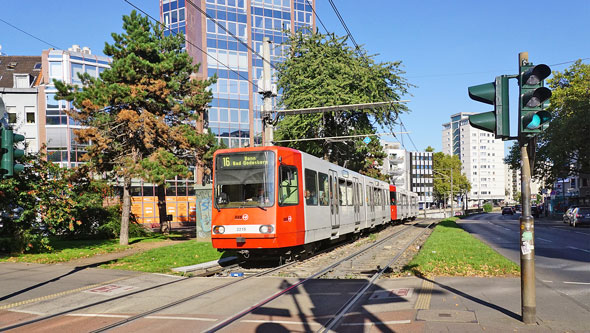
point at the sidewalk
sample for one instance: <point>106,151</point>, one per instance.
<point>471,304</point>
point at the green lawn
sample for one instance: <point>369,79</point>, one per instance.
<point>75,249</point>
<point>162,259</point>
<point>450,251</point>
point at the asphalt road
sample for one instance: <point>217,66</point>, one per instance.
<point>562,253</point>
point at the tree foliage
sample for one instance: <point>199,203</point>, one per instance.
<point>562,149</point>
<point>46,200</point>
<point>140,115</point>
<point>443,166</point>
<point>322,70</point>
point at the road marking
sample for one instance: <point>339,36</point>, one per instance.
<point>581,233</point>
<point>576,248</point>
<point>286,322</point>
<point>584,283</point>
<point>546,240</point>
<point>181,318</point>
<point>97,315</point>
<point>63,293</point>
<point>547,281</point>
<point>391,322</point>
<point>423,301</point>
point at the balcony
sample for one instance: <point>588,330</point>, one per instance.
<point>396,159</point>
<point>396,172</point>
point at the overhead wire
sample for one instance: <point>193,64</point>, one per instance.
<point>31,35</point>
<point>230,33</point>
<point>316,15</point>
<point>344,25</point>
<point>189,42</point>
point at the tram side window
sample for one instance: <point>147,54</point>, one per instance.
<point>349,195</point>
<point>324,189</point>
<point>342,187</point>
<point>311,191</point>
<point>392,197</point>
<point>289,187</point>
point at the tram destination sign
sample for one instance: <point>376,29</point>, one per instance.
<point>243,160</point>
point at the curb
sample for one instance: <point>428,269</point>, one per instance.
<point>205,265</point>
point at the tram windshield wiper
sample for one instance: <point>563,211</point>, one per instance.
<point>264,209</point>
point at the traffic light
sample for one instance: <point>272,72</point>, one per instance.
<point>531,116</point>
<point>495,93</point>
<point>7,165</point>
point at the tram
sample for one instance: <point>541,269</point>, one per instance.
<point>278,200</point>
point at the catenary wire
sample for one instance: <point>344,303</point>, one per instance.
<point>229,33</point>
<point>37,38</point>
<point>318,17</point>
<point>344,25</point>
<point>189,42</point>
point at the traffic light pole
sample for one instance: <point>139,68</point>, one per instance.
<point>527,230</point>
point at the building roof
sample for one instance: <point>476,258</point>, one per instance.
<point>10,65</point>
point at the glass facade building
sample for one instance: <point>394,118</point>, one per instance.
<point>225,37</point>
<point>56,128</point>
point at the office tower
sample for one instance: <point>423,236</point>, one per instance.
<point>225,37</point>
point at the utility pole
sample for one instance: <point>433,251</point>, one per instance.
<point>267,93</point>
<point>452,197</point>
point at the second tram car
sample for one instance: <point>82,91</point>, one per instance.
<point>274,200</point>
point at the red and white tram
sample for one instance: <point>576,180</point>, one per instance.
<point>272,200</point>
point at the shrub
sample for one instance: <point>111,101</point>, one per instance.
<point>487,207</point>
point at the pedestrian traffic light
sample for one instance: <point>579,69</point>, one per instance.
<point>495,93</point>
<point>531,116</point>
<point>7,165</point>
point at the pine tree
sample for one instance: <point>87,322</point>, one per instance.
<point>140,115</point>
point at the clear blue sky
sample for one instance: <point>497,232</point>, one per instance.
<point>445,46</point>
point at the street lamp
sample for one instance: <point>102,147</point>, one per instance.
<point>452,206</point>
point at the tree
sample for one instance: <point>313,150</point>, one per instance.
<point>443,165</point>
<point>429,149</point>
<point>562,149</point>
<point>140,115</point>
<point>323,71</point>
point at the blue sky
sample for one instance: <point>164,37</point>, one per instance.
<point>445,46</point>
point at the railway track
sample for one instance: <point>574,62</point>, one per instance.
<point>339,256</point>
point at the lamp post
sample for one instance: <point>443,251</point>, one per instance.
<point>452,206</point>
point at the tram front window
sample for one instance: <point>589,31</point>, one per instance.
<point>244,179</point>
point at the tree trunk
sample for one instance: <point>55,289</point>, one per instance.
<point>164,223</point>
<point>126,209</point>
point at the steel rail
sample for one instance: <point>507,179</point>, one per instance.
<point>323,271</point>
<point>352,301</point>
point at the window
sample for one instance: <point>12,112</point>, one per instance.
<point>11,110</point>
<point>324,189</point>
<point>30,114</point>
<point>311,193</point>
<point>288,186</point>
<point>342,188</point>
<point>349,193</point>
<point>21,81</point>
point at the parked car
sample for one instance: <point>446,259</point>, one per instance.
<point>579,216</point>
<point>535,211</point>
<point>568,215</point>
<point>507,210</point>
<point>518,208</point>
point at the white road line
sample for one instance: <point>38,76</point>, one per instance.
<point>584,283</point>
<point>546,240</point>
<point>547,281</point>
<point>286,322</point>
<point>576,248</point>
<point>97,315</point>
<point>181,318</point>
<point>391,322</point>
<point>581,233</point>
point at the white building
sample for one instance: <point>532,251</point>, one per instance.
<point>396,164</point>
<point>481,155</point>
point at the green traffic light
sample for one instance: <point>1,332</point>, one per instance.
<point>495,93</point>
<point>532,118</point>
<point>9,153</point>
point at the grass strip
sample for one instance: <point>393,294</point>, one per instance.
<point>451,251</point>
<point>66,250</point>
<point>163,259</point>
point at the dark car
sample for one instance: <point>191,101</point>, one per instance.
<point>580,215</point>
<point>507,210</point>
<point>518,207</point>
<point>535,211</point>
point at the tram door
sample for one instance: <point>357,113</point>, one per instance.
<point>334,200</point>
<point>357,200</point>
<point>370,206</point>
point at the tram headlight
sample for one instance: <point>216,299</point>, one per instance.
<point>266,229</point>
<point>218,229</point>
